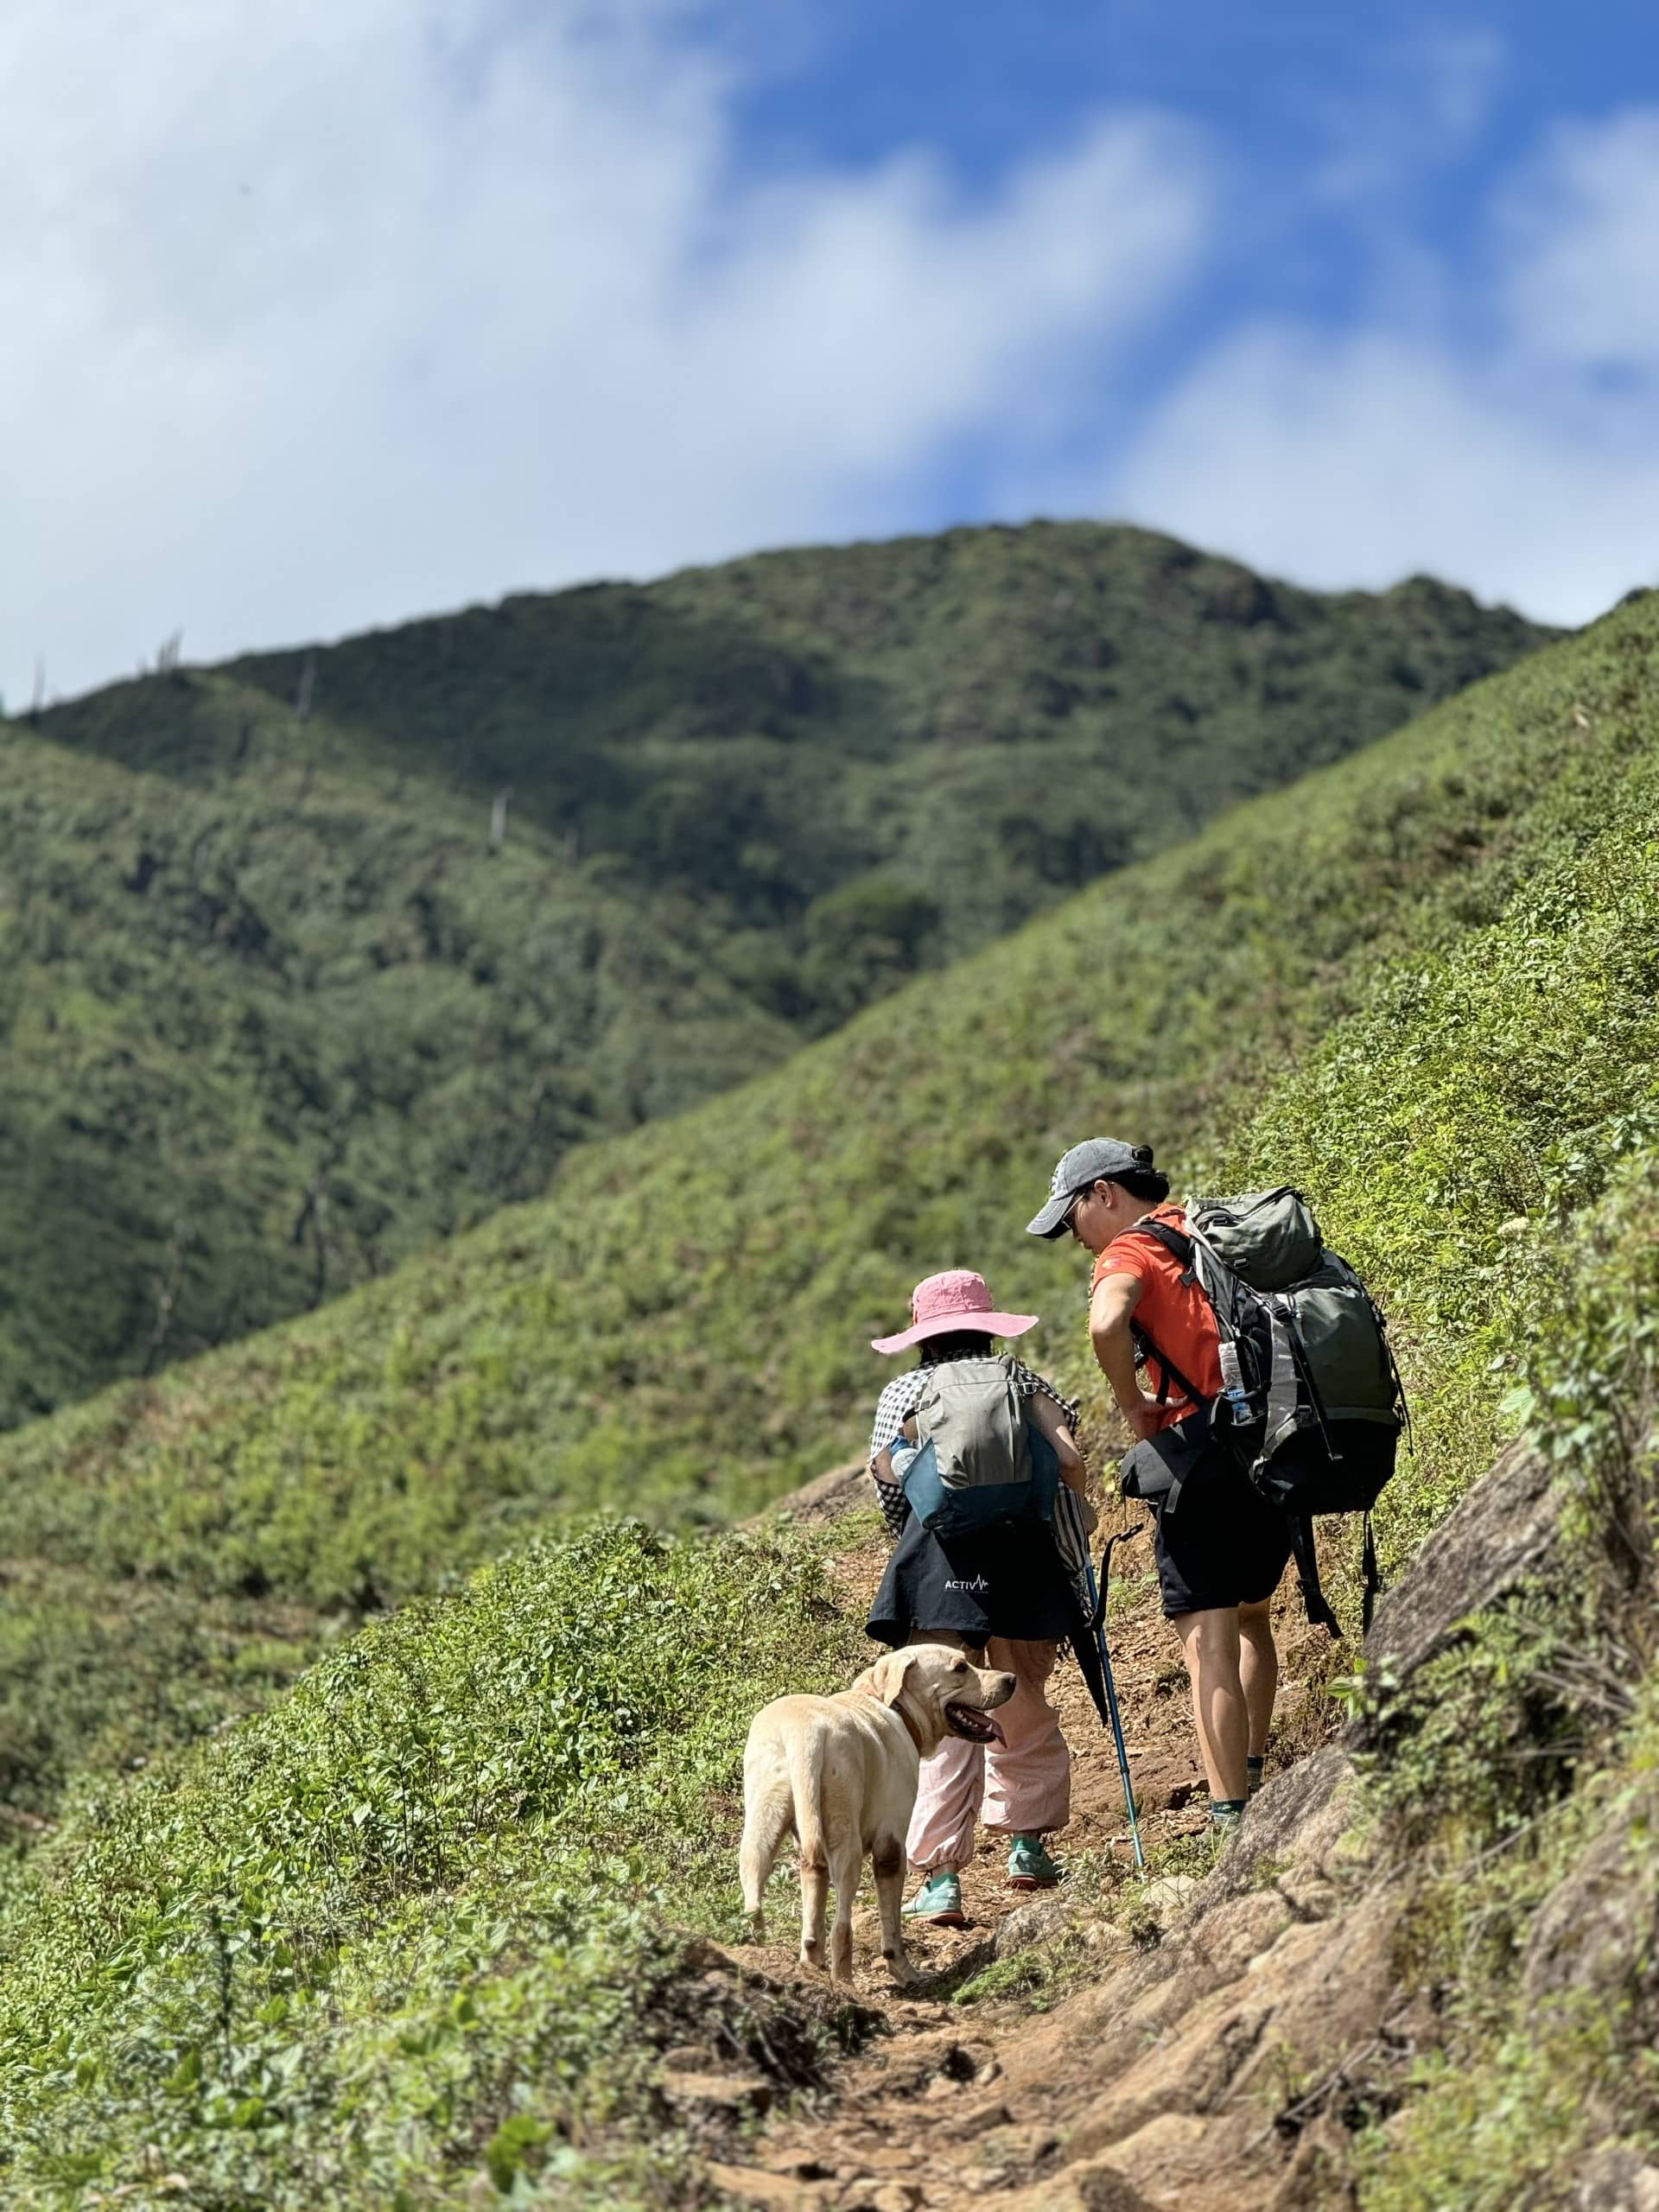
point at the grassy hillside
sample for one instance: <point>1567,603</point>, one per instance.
<point>1421,985</point>
<point>261,1043</point>
<point>390,1937</point>
<point>409,1939</point>
<point>277,1012</point>
<point>982,720</point>
<point>326,1967</point>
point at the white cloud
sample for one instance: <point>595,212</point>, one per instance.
<point>1582,244</point>
<point>1357,461</point>
<point>330,314</point>
<point>1427,103</point>
<point>1510,464</point>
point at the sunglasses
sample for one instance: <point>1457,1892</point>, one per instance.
<point>1070,1216</point>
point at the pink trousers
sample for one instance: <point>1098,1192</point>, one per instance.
<point>1023,1784</point>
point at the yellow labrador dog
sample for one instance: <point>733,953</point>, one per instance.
<point>841,1771</point>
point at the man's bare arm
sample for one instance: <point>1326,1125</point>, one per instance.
<point>1110,1310</point>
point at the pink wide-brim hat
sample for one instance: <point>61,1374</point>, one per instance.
<point>943,1304</point>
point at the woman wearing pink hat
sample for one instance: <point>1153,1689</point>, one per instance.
<point>1004,1597</point>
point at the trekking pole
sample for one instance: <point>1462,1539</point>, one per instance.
<point>1097,1610</point>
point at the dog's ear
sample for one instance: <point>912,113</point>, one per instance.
<point>888,1675</point>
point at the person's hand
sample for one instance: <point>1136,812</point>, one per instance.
<point>1145,1417</point>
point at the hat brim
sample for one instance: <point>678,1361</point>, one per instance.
<point>1052,1220</point>
<point>955,1324</point>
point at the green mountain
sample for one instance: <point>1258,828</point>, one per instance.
<point>402,1939</point>
<point>408,1936</point>
<point>280,1005</point>
<point>681,1327</point>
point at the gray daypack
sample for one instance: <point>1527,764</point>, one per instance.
<point>976,1464</point>
<point>1309,1385</point>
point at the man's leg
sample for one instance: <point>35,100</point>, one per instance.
<point>1028,1775</point>
<point>1210,1643</point>
<point>1258,1670</point>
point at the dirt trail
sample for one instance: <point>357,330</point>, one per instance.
<point>958,2103</point>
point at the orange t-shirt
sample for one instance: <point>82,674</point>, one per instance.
<point>1175,1315</point>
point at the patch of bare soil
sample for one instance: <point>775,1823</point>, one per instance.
<point>952,2103</point>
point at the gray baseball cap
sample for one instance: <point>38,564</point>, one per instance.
<point>1085,1163</point>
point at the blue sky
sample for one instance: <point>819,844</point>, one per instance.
<point>1347,141</point>
<point>335,315</point>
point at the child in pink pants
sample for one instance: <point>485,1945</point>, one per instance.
<point>1021,1786</point>
<point>1004,1592</point>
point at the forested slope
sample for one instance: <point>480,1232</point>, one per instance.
<point>1420,984</point>
<point>402,1940</point>
<point>261,1043</point>
<point>278,1007</point>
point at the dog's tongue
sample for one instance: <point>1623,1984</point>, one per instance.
<point>995,1726</point>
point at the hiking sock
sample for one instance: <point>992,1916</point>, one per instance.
<point>1227,1812</point>
<point>1254,1765</point>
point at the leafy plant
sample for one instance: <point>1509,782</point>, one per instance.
<point>414,1925</point>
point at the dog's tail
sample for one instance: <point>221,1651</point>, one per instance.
<point>806,1753</point>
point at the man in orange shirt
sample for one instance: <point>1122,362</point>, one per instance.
<point>1219,1558</point>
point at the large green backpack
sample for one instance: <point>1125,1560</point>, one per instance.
<point>976,1464</point>
<point>1310,1387</point>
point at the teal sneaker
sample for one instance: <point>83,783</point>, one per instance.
<point>1030,1866</point>
<point>938,1900</point>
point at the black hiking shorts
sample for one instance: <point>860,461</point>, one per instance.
<point>1224,1545</point>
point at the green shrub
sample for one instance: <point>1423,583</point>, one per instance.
<point>415,1923</point>
<point>1502,1761</point>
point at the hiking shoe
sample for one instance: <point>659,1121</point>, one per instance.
<point>938,1900</point>
<point>1030,1866</point>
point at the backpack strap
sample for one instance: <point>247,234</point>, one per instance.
<point>1204,1268</point>
<point>1180,1247</point>
<point>1284,1371</point>
<point>1173,1241</point>
<point>1307,1573</point>
<point>1118,1536</point>
<point>1168,1371</point>
<point>1284,1317</point>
